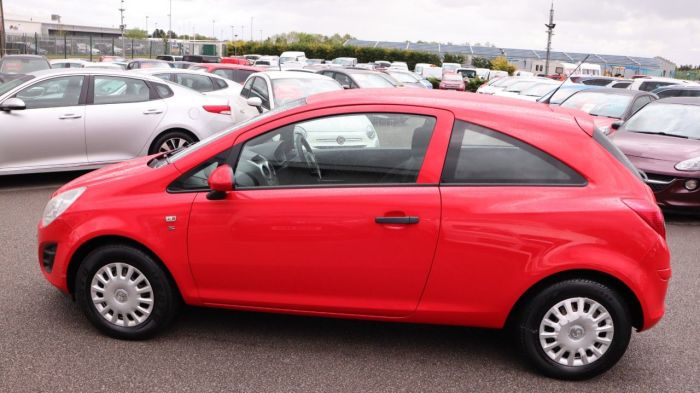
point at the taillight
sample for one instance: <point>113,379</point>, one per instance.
<point>220,109</point>
<point>649,212</point>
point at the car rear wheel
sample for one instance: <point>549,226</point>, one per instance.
<point>575,329</point>
<point>125,293</point>
<point>171,141</point>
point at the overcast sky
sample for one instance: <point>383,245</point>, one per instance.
<point>668,28</point>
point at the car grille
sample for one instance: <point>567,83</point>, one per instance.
<point>659,183</point>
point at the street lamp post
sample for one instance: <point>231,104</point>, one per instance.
<point>213,28</point>
<point>147,35</point>
<point>2,31</point>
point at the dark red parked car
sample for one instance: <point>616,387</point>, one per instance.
<point>663,140</point>
<point>471,210</point>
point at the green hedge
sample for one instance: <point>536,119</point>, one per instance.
<point>330,52</point>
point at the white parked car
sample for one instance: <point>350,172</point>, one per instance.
<point>344,62</point>
<point>650,84</point>
<point>271,62</point>
<point>350,131</point>
<point>74,119</point>
<point>530,91</point>
<point>79,63</point>
<point>448,68</point>
<point>399,65</point>
<point>292,59</point>
<point>203,82</point>
<point>267,90</point>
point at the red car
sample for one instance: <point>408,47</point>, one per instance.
<point>235,72</point>
<point>235,60</point>
<point>470,210</point>
<point>452,82</point>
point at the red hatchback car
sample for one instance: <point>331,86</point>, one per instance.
<point>467,211</point>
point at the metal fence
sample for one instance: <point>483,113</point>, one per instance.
<point>91,48</point>
<point>692,75</point>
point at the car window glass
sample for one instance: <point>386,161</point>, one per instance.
<point>259,89</point>
<point>478,155</point>
<point>53,93</point>
<point>670,93</point>
<point>164,76</point>
<point>245,91</point>
<point>118,90</point>
<point>219,83</point>
<point>639,103</point>
<point>351,149</point>
<point>343,79</point>
<point>228,74</point>
<point>200,83</point>
<point>239,76</point>
<point>198,178</point>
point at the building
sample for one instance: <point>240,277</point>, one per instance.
<point>31,27</point>
<point>533,60</point>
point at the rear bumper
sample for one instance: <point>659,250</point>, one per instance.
<point>654,285</point>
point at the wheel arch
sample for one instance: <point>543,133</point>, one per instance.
<point>109,240</point>
<point>628,296</point>
<point>172,129</point>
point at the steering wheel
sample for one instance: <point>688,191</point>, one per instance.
<point>303,151</point>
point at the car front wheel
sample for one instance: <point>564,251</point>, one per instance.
<point>125,293</point>
<point>575,329</point>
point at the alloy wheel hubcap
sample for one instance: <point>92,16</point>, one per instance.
<point>576,332</point>
<point>122,295</point>
<point>172,144</point>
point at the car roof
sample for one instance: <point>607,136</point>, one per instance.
<point>92,71</point>
<point>353,70</point>
<point>678,87</point>
<point>680,100</point>
<point>619,92</point>
<point>292,74</point>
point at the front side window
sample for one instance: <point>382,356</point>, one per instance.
<point>118,90</point>
<point>259,89</point>
<point>649,86</point>
<point>352,149</point>
<point>639,103</point>
<point>480,156</point>
<point>53,93</point>
<point>245,91</point>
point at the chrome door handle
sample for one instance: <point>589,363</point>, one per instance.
<point>69,116</point>
<point>152,112</point>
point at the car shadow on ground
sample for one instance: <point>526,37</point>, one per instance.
<point>38,180</point>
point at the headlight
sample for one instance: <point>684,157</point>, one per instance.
<point>58,204</point>
<point>691,165</point>
<point>370,132</point>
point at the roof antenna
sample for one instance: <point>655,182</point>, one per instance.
<point>547,101</point>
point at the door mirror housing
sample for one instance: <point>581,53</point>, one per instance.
<point>616,125</point>
<point>13,104</point>
<point>346,87</point>
<point>220,182</point>
<point>255,102</point>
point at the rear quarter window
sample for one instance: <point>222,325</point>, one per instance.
<point>480,156</point>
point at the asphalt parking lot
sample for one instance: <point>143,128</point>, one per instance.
<point>47,345</point>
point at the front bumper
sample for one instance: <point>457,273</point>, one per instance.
<point>671,192</point>
<point>57,238</point>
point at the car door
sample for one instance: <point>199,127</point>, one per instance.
<point>50,132</point>
<point>360,242</point>
<point>121,116</point>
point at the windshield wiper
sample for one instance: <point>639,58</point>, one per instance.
<point>662,133</point>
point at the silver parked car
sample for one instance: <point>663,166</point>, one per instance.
<point>72,119</point>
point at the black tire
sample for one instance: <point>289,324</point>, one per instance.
<point>155,147</point>
<point>534,311</point>
<point>166,299</point>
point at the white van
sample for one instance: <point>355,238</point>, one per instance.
<point>290,60</point>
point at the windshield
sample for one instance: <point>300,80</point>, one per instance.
<point>503,82</point>
<point>371,80</point>
<point>672,119</point>
<point>452,77</point>
<point>519,86</point>
<point>468,73</point>
<point>22,65</point>
<point>599,104</point>
<point>11,84</point>
<point>213,138</point>
<point>539,89</point>
<point>290,89</point>
<point>404,77</point>
<point>449,67</point>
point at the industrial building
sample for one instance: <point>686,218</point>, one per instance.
<point>55,28</point>
<point>533,60</point>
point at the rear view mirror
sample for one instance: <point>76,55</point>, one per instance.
<point>255,102</point>
<point>220,182</point>
<point>13,104</point>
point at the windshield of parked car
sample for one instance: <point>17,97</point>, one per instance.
<point>18,65</point>
<point>11,84</point>
<point>371,80</point>
<point>670,119</point>
<point>290,89</point>
<point>468,73</point>
<point>449,67</point>
<point>213,138</point>
<point>504,82</point>
<point>452,77</point>
<point>404,77</point>
<point>539,89</point>
<point>520,86</point>
<point>599,104</point>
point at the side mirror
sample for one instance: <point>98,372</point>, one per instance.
<point>220,182</point>
<point>346,87</point>
<point>616,125</point>
<point>13,104</point>
<point>255,102</point>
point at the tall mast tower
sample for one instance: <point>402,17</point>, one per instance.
<point>550,33</point>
